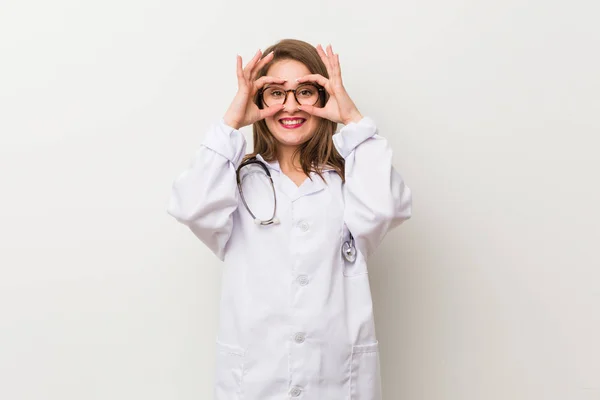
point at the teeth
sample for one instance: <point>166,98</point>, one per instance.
<point>291,122</point>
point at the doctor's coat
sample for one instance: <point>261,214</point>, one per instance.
<point>296,318</point>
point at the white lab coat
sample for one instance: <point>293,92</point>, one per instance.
<point>296,319</point>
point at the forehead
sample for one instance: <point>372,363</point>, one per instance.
<point>288,69</point>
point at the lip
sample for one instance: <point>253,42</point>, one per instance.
<point>294,126</point>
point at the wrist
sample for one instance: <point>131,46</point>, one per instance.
<point>354,117</point>
<point>231,123</point>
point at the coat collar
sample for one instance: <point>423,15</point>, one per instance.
<point>271,164</point>
<point>275,164</point>
<point>289,188</point>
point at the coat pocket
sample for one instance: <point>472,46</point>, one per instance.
<point>229,372</point>
<point>365,382</point>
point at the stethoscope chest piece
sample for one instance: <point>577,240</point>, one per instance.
<point>349,250</point>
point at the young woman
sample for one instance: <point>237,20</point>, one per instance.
<point>295,223</point>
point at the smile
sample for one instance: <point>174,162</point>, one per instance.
<point>292,123</point>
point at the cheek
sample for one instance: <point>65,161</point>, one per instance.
<point>270,123</point>
<point>314,123</point>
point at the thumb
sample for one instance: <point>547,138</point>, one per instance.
<point>316,111</point>
<point>270,111</point>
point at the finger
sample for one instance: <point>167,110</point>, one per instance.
<point>335,60</point>
<point>250,65</point>
<point>239,72</point>
<point>266,59</point>
<point>263,80</point>
<point>270,111</point>
<point>324,58</point>
<point>312,110</point>
<point>318,78</point>
<point>321,52</point>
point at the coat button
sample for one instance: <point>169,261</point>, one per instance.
<point>295,391</point>
<point>302,280</point>
<point>304,226</point>
<point>299,337</point>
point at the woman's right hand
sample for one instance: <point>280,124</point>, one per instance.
<point>242,110</point>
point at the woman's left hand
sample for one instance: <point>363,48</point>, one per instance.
<point>339,107</point>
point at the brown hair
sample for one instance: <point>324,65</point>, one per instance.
<point>318,152</point>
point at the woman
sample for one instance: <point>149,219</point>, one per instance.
<point>296,317</point>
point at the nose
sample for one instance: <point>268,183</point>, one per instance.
<point>287,96</point>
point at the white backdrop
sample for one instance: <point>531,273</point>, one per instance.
<point>491,291</point>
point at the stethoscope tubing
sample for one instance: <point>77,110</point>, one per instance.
<point>348,247</point>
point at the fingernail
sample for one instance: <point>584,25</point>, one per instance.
<point>299,108</point>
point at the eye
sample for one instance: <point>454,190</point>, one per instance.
<point>306,91</point>
<point>276,93</point>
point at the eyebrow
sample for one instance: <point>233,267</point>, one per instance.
<point>279,85</point>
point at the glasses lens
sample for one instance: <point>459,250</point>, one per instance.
<point>307,95</point>
<point>274,95</point>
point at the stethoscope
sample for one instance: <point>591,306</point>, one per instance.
<point>348,247</point>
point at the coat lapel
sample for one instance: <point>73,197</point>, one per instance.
<point>289,188</point>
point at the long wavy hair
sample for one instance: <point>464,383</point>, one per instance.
<point>319,151</point>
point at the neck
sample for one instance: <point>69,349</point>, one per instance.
<point>287,160</point>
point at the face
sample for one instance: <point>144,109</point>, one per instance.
<point>291,127</point>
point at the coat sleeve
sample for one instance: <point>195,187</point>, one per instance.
<point>375,195</point>
<point>205,195</point>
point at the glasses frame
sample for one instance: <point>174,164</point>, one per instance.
<point>320,89</point>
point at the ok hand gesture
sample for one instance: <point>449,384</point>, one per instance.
<point>339,107</point>
<point>242,110</point>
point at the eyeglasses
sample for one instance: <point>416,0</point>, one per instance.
<point>306,94</point>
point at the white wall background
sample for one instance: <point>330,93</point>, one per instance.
<point>491,291</point>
